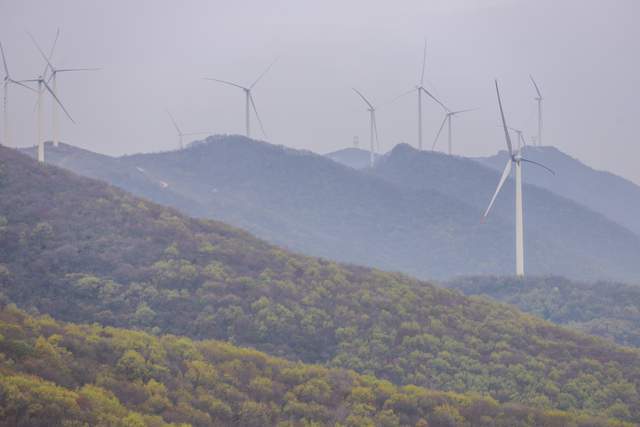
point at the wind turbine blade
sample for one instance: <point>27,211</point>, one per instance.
<point>255,110</point>
<point>435,99</point>
<point>363,98</point>
<point>53,48</point>
<point>424,62</point>
<point>226,82</point>
<point>19,83</point>
<point>175,124</point>
<point>463,111</point>
<point>64,70</point>
<point>263,73</point>
<point>539,164</point>
<point>503,178</point>
<point>41,52</point>
<point>58,101</point>
<point>433,147</point>
<point>4,61</point>
<point>536,86</point>
<point>395,98</point>
<point>504,123</point>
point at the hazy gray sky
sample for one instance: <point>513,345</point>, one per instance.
<point>153,54</point>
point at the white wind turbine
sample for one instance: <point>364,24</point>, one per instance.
<point>42,85</point>
<point>249,102</point>
<point>539,100</point>
<point>5,108</point>
<point>515,157</point>
<point>521,140</point>
<point>447,120</point>
<point>420,89</point>
<point>373,128</point>
<point>53,79</point>
<point>182,134</point>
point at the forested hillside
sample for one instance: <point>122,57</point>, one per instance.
<point>86,252</point>
<point>55,374</point>
<point>606,309</point>
<point>417,212</point>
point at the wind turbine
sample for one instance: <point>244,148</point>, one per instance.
<point>539,100</point>
<point>42,85</point>
<point>447,120</point>
<point>6,82</point>
<point>515,157</point>
<point>182,134</point>
<point>420,89</point>
<point>521,140</point>
<point>249,102</point>
<point>53,79</point>
<point>373,127</point>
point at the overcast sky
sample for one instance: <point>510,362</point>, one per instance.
<point>154,55</point>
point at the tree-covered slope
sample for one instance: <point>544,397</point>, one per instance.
<point>611,195</point>
<point>606,309</point>
<point>83,251</point>
<point>56,374</point>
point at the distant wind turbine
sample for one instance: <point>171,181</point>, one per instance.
<point>373,127</point>
<point>53,79</point>
<point>447,120</point>
<point>515,157</point>
<point>521,140</point>
<point>420,89</point>
<point>5,103</point>
<point>249,101</point>
<point>42,85</point>
<point>182,134</point>
<point>539,100</point>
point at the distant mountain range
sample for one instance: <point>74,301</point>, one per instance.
<point>613,196</point>
<point>415,212</point>
<point>603,192</point>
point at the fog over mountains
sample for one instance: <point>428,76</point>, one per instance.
<point>415,212</point>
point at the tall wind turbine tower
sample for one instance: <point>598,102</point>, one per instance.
<point>5,102</point>
<point>515,158</point>
<point>373,128</point>
<point>54,82</point>
<point>539,100</point>
<point>249,101</point>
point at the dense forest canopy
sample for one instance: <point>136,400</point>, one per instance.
<point>607,309</point>
<point>83,251</point>
<point>56,374</point>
